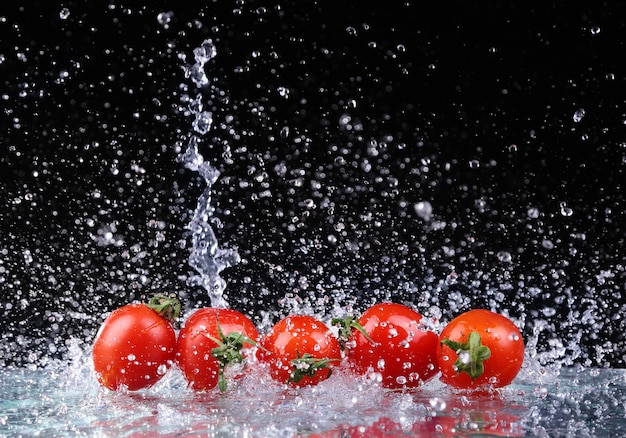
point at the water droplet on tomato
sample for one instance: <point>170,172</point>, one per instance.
<point>465,357</point>
<point>414,377</point>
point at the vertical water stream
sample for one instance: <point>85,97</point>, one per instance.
<point>207,258</point>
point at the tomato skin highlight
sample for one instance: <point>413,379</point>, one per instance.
<point>194,347</point>
<point>498,333</point>
<point>134,348</point>
<point>403,351</point>
<point>294,337</point>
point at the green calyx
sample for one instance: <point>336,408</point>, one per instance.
<point>168,306</point>
<point>471,355</point>
<point>346,325</point>
<point>228,351</point>
<point>306,366</point>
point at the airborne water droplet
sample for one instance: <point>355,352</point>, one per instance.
<point>578,115</point>
<point>424,210</point>
<point>205,52</point>
<point>504,256</point>
<point>565,210</point>
<point>202,123</point>
<point>164,18</point>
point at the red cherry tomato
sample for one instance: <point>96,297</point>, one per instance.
<point>210,340</point>
<point>480,348</point>
<point>134,347</point>
<point>300,351</point>
<point>400,349</point>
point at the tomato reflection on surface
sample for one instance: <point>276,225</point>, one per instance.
<point>456,414</point>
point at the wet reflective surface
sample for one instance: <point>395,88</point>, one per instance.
<point>68,402</point>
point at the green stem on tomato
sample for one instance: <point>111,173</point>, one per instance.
<point>306,366</point>
<point>168,306</point>
<point>228,351</point>
<point>345,330</point>
<point>471,355</point>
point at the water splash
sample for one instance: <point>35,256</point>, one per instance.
<point>207,258</point>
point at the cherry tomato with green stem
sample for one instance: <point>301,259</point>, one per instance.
<point>390,342</point>
<point>300,350</point>
<point>135,345</point>
<point>212,341</point>
<point>478,349</point>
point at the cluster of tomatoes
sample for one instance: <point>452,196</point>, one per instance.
<point>389,343</point>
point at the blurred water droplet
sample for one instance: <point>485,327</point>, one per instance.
<point>465,357</point>
<point>424,210</point>
<point>541,392</point>
<point>578,115</point>
<point>438,404</point>
<point>283,92</point>
<point>345,120</point>
<point>565,210</point>
<point>533,213</point>
<point>164,18</point>
<point>504,256</point>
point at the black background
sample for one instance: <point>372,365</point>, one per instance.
<point>470,107</point>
